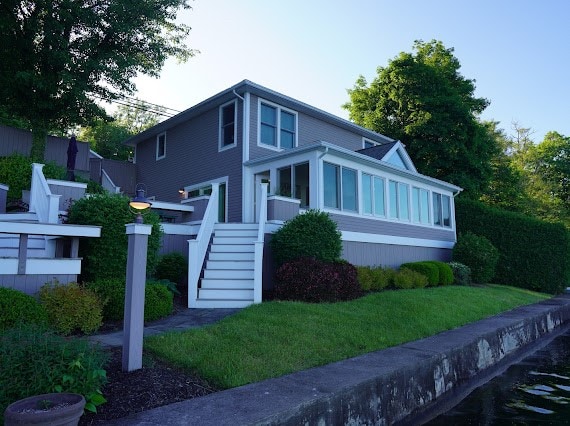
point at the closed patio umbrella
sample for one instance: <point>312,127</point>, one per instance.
<point>71,157</point>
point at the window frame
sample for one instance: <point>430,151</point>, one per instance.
<point>163,135</point>
<point>398,201</point>
<point>278,128</point>
<point>418,209</point>
<point>221,126</point>
<point>369,141</point>
<point>440,210</point>
<point>373,199</point>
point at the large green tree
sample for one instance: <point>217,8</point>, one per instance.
<point>422,99</point>
<point>60,57</point>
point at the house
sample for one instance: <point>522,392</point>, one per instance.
<point>249,158</point>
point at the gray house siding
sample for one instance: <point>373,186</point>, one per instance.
<point>192,157</point>
<point>390,255</point>
<point>31,284</point>
<point>122,173</point>
<point>310,129</point>
<point>382,227</point>
<point>174,244</point>
<point>20,141</point>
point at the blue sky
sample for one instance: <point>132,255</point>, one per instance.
<point>314,50</point>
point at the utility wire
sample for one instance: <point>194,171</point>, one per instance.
<point>142,105</point>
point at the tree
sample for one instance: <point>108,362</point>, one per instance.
<point>423,100</point>
<point>59,57</point>
<point>107,137</point>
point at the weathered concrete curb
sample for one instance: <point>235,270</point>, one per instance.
<point>400,384</point>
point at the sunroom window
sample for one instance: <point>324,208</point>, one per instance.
<point>420,205</point>
<point>399,202</point>
<point>373,195</point>
<point>340,185</point>
<point>441,210</point>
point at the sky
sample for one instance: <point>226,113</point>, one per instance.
<point>517,51</point>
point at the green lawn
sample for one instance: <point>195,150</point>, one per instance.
<point>275,338</point>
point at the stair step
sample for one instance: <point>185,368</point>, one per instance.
<point>248,233</point>
<point>221,294</point>
<point>213,283</point>
<point>229,264</point>
<point>233,240</point>
<point>236,226</point>
<point>232,248</point>
<point>226,303</point>
<point>231,256</point>
<point>229,274</point>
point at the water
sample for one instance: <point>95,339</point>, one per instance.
<point>536,391</point>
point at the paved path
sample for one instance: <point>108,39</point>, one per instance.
<point>186,319</point>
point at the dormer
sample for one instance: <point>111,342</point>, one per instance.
<point>394,153</point>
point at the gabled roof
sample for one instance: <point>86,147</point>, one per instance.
<point>386,152</point>
<point>247,86</point>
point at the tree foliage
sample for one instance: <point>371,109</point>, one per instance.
<point>422,99</point>
<point>60,57</point>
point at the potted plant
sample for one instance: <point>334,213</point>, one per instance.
<point>61,409</point>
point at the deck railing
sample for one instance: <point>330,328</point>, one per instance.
<point>42,201</point>
<point>197,248</point>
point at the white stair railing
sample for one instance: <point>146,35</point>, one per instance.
<point>197,248</point>
<point>108,184</point>
<point>42,201</point>
<point>258,263</point>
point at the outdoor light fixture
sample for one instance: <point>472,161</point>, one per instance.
<point>182,193</point>
<point>139,203</point>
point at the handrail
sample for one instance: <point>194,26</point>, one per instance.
<point>108,184</point>
<point>197,248</point>
<point>42,201</point>
<point>258,253</point>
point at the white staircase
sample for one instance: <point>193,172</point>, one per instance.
<point>228,279</point>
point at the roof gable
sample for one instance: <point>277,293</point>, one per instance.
<point>394,153</point>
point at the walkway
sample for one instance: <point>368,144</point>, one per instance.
<point>184,320</point>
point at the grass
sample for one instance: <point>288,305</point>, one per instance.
<point>276,338</point>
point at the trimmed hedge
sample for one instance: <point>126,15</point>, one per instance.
<point>428,269</point>
<point>533,254</point>
<point>406,278</point>
<point>20,308</point>
<point>479,254</point>
<point>445,272</point>
<point>375,279</point>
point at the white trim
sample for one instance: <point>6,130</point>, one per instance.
<point>94,154</point>
<point>365,139</point>
<point>246,198</point>
<point>283,198</point>
<point>361,237</point>
<point>180,228</point>
<point>4,187</point>
<point>278,108</point>
<point>138,229</point>
<point>157,145</point>
<point>55,229</point>
<point>191,200</point>
<point>400,149</point>
<point>163,205</point>
<point>189,188</point>
<point>221,146</point>
<point>66,183</point>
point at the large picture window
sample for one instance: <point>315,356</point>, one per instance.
<point>277,126</point>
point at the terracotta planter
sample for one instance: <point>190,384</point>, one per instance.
<point>54,409</point>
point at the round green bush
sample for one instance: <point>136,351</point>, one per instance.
<point>428,269</point>
<point>479,254</point>
<point>19,308</point>
<point>71,308</point>
<point>445,272</point>
<point>172,267</point>
<point>365,277</point>
<point>158,301</point>
<point>406,279</point>
<point>310,234</point>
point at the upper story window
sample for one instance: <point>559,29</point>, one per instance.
<point>277,126</point>
<point>227,137</point>
<point>441,210</point>
<point>161,146</point>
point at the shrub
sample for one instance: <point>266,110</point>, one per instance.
<point>479,254</point>
<point>16,172</point>
<point>534,254</point>
<point>311,234</point>
<point>172,267</point>
<point>445,272</point>
<point>17,307</point>
<point>34,362</point>
<point>406,278</point>
<point>158,301</point>
<point>430,270</point>
<point>106,257</point>
<point>461,273</point>
<point>311,280</point>
<point>376,278</point>
<point>365,277</point>
<point>71,307</point>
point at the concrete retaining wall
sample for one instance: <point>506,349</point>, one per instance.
<point>404,384</point>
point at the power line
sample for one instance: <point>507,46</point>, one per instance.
<point>141,105</point>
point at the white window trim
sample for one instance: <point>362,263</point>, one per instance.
<point>221,146</point>
<point>364,140</point>
<point>373,195</point>
<point>278,125</point>
<point>157,145</point>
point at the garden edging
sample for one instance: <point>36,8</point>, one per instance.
<point>408,383</point>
